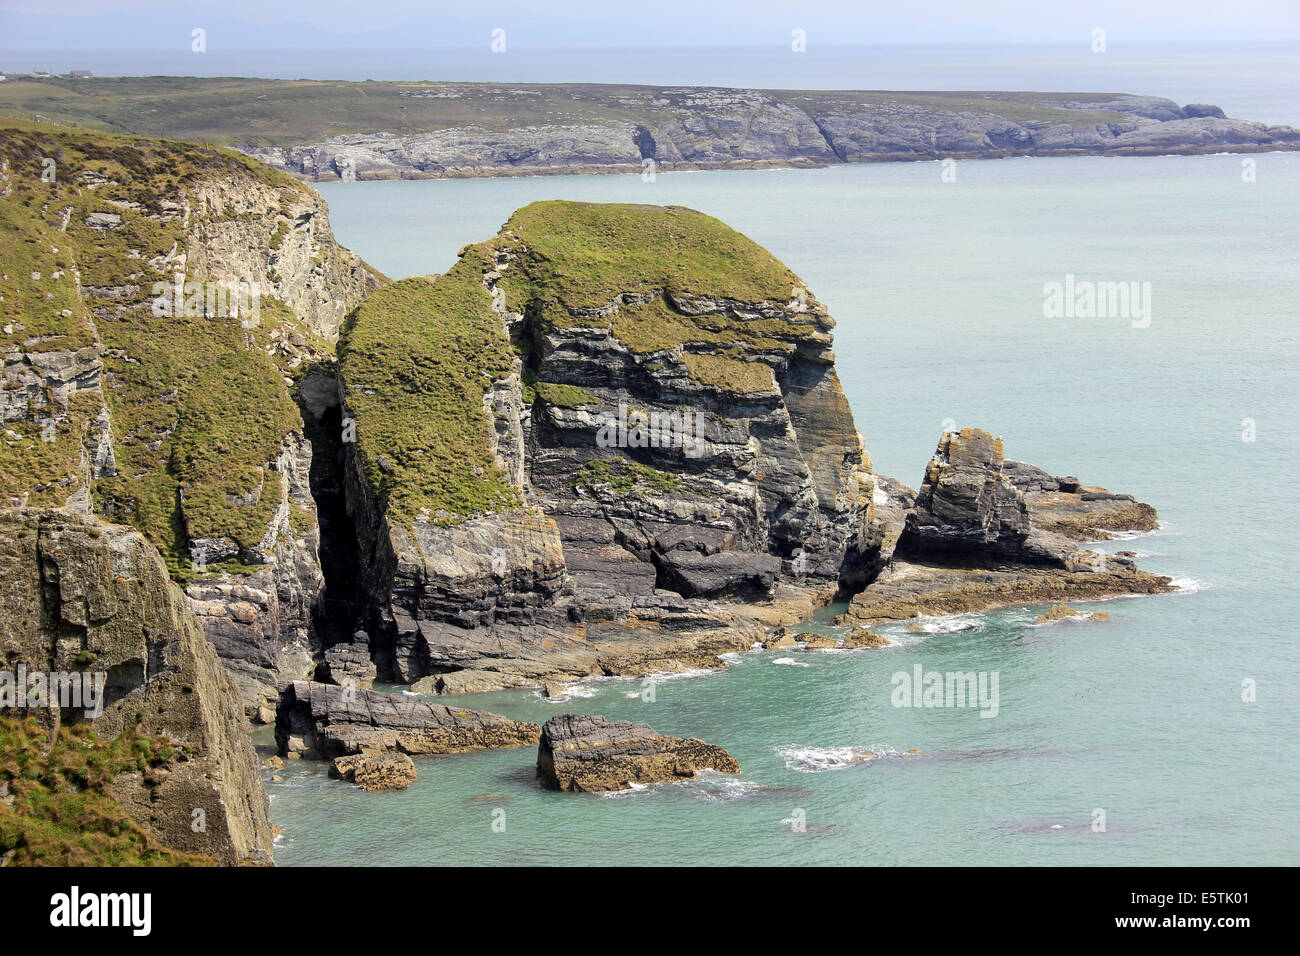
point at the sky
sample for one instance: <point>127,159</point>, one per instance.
<point>289,24</point>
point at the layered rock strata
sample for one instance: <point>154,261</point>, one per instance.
<point>323,721</point>
<point>662,463</point>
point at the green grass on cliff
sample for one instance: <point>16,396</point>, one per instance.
<point>198,406</point>
<point>416,358</point>
<point>56,803</point>
<point>581,255</point>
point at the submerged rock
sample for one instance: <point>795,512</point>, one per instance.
<point>865,637</point>
<point>378,773</point>
<point>322,721</point>
<point>585,752</point>
<point>1062,612</point>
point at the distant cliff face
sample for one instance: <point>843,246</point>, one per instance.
<point>88,598</point>
<point>609,438</point>
<point>160,301</point>
<point>617,128</point>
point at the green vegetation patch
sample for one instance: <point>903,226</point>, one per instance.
<point>623,476</point>
<point>729,374</point>
<point>59,808</point>
<point>654,327</point>
<point>416,358</point>
<point>581,255</point>
<point>566,396</point>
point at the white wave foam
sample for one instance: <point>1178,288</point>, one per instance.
<point>662,677</point>
<point>631,791</point>
<point>1188,585</point>
<point>950,624</point>
<point>717,788</point>
<point>821,759</point>
<point>790,662</point>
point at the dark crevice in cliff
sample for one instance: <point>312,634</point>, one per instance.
<point>334,616</point>
<point>838,150</point>
<point>645,142</point>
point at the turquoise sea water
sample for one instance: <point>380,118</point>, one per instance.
<point>937,289</point>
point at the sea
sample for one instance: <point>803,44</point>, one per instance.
<point>1164,735</point>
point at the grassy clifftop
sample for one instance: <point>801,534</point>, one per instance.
<point>417,358</point>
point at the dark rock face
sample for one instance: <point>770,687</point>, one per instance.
<point>83,596</point>
<point>967,507</point>
<point>1082,513</point>
<point>322,721</point>
<point>587,753</point>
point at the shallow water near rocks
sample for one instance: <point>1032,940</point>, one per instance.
<point>937,289</point>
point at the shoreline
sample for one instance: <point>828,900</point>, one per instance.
<point>632,169</point>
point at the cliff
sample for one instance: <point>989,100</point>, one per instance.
<point>84,597</point>
<point>609,440</point>
<point>327,130</point>
<point>161,301</point>
<point>703,128</point>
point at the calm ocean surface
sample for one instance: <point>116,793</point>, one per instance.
<point>937,289</point>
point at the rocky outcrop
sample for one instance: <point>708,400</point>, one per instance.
<point>984,534</point>
<point>694,128</point>
<point>378,773</point>
<point>250,230</point>
<point>906,589</point>
<point>587,753</point>
<point>1063,612</point>
<point>85,597</point>
<point>672,463</point>
<point>323,721</point>
<point>969,509</point>
<point>1082,512</point>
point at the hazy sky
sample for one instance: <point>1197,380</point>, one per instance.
<point>166,24</point>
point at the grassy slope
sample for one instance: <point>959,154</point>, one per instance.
<point>235,111</point>
<point>417,357</point>
<point>194,409</point>
<point>58,809</point>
